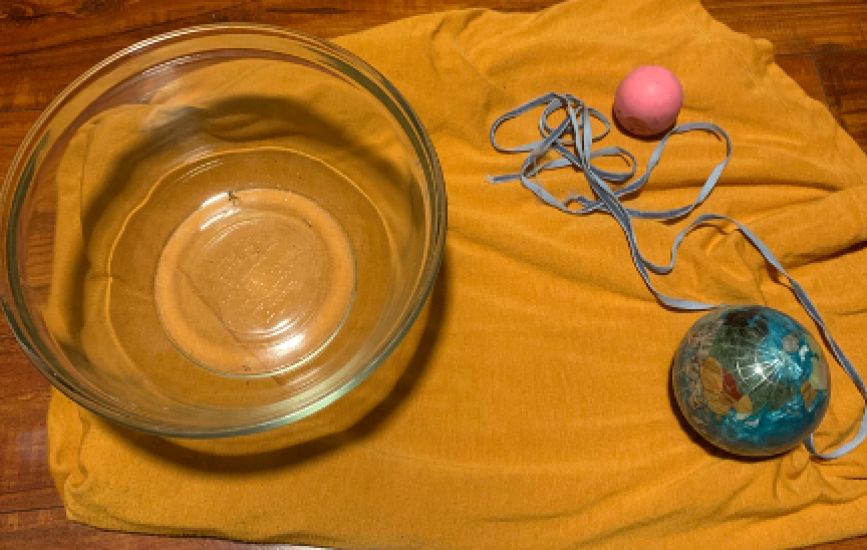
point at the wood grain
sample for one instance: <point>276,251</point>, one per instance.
<point>802,69</point>
<point>844,76</point>
<point>41,37</point>
<point>60,22</point>
<point>797,26</point>
<point>13,127</point>
<point>41,529</point>
<point>46,44</point>
<point>40,41</point>
<point>25,482</point>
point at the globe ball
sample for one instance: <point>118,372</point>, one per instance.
<point>751,380</point>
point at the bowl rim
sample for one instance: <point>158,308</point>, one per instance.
<point>28,152</point>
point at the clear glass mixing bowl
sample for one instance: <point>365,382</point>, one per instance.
<point>220,230</point>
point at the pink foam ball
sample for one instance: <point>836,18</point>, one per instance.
<point>648,100</point>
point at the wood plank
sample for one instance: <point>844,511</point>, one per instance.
<point>845,79</point>
<point>42,24</point>
<point>848,544</point>
<point>34,77</point>
<point>25,481</point>
<point>797,26</point>
<point>45,48</point>
<point>40,529</point>
<point>48,44</point>
<point>13,128</point>
<point>802,69</point>
<point>19,381</point>
<point>39,24</point>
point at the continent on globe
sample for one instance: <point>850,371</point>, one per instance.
<point>721,389</point>
<point>751,380</point>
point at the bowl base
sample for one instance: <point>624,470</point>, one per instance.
<point>255,282</point>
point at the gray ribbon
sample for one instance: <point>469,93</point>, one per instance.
<point>578,153</point>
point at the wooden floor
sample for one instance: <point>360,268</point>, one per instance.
<point>45,44</point>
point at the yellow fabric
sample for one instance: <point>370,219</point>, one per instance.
<point>530,407</point>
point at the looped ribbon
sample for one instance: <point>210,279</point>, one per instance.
<point>572,139</point>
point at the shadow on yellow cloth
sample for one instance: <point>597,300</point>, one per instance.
<point>531,406</point>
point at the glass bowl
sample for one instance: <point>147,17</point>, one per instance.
<point>220,230</point>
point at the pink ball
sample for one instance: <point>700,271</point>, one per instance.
<point>648,100</point>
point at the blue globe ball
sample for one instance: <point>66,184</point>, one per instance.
<point>751,380</point>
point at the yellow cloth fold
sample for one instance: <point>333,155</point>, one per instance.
<point>530,408</point>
